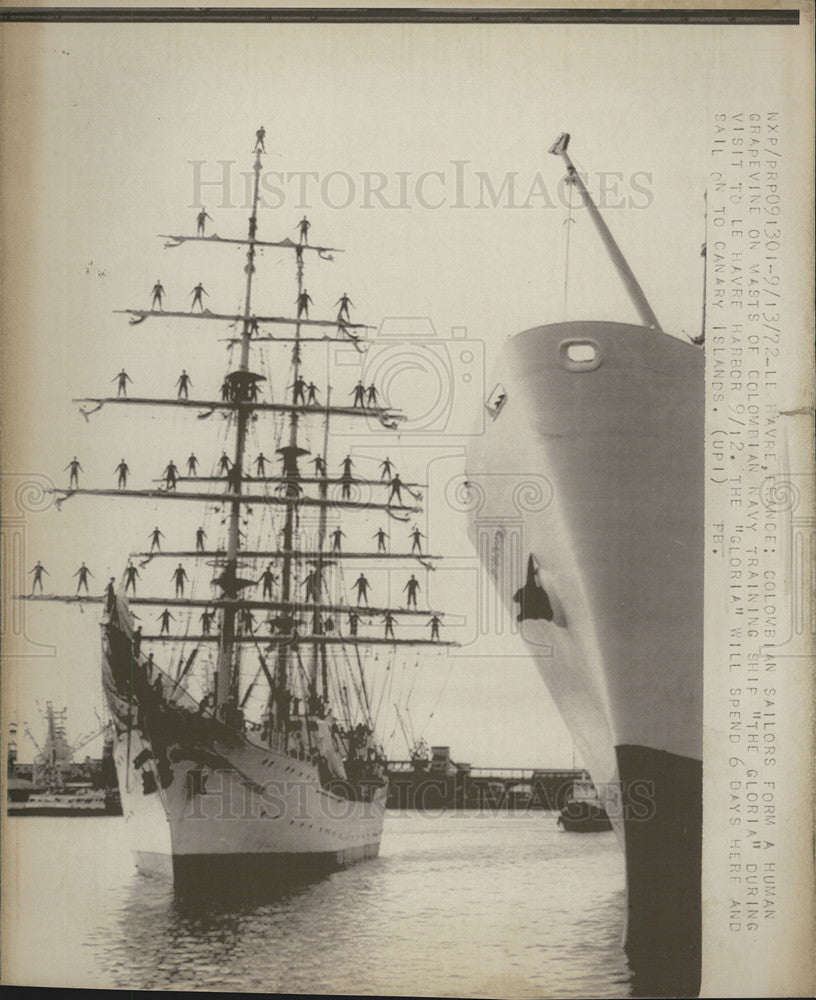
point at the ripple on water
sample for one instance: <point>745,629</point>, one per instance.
<point>458,904</point>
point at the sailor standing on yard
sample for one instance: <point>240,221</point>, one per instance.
<point>158,295</point>
<point>170,475</point>
<point>183,382</point>
<point>386,468</point>
<point>122,380</point>
<point>165,618</point>
<point>336,535</point>
<point>388,620</point>
<point>353,620</point>
<point>344,302</point>
<point>76,468</point>
<point>260,135</point>
<point>435,623</point>
<point>155,535</point>
<point>38,571</point>
<point>346,479</point>
<point>83,573</point>
<point>416,534</point>
<point>362,585</point>
<point>179,575</point>
<point>298,388</point>
<point>303,302</point>
<point>267,578</point>
<point>371,395</point>
<point>206,621</point>
<point>396,487</point>
<point>359,395</point>
<point>123,471</point>
<point>201,219</point>
<point>131,575</point>
<point>312,585</point>
<point>313,390</point>
<point>201,534</point>
<point>192,465</point>
<point>381,536</point>
<point>260,465</point>
<point>197,292</point>
<point>413,588</point>
<point>304,226</point>
<point>110,595</point>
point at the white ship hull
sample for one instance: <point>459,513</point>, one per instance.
<point>606,421</point>
<point>209,807</point>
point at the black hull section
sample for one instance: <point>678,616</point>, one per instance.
<point>242,877</point>
<point>581,817</point>
<point>663,814</point>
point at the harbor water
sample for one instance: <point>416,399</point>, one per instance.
<point>457,904</point>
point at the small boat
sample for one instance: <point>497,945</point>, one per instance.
<point>76,802</point>
<point>583,812</point>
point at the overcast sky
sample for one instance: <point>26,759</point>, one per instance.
<point>422,151</point>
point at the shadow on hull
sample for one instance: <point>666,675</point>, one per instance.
<point>242,878</point>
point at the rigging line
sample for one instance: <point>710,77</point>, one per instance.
<point>442,691</point>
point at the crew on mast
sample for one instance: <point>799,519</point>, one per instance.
<point>336,536</point>
<point>76,468</point>
<point>183,382</point>
<point>297,388</point>
<point>201,534</point>
<point>358,392</point>
<point>260,465</point>
<point>170,475</point>
<point>267,578</point>
<point>435,623</point>
<point>201,219</point>
<point>83,573</point>
<point>122,380</point>
<point>413,588</point>
<point>362,585</point>
<point>304,226</point>
<point>388,620</point>
<point>192,465</point>
<point>155,535</point>
<point>381,536</point>
<point>179,575</point>
<point>344,302</point>
<point>38,571</point>
<point>158,295</point>
<point>303,301</point>
<point>123,471</point>
<point>131,575</point>
<point>165,618</point>
<point>259,140</point>
<point>396,487</point>
<point>387,467</point>
<point>416,535</point>
<point>197,292</point>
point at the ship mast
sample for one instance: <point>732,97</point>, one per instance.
<point>279,696</point>
<point>636,294</point>
<point>227,666</point>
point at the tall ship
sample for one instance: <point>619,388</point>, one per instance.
<point>606,573</point>
<point>245,745</point>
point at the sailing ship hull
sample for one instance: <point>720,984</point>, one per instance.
<point>600,498</point>
<point>207,806</point>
